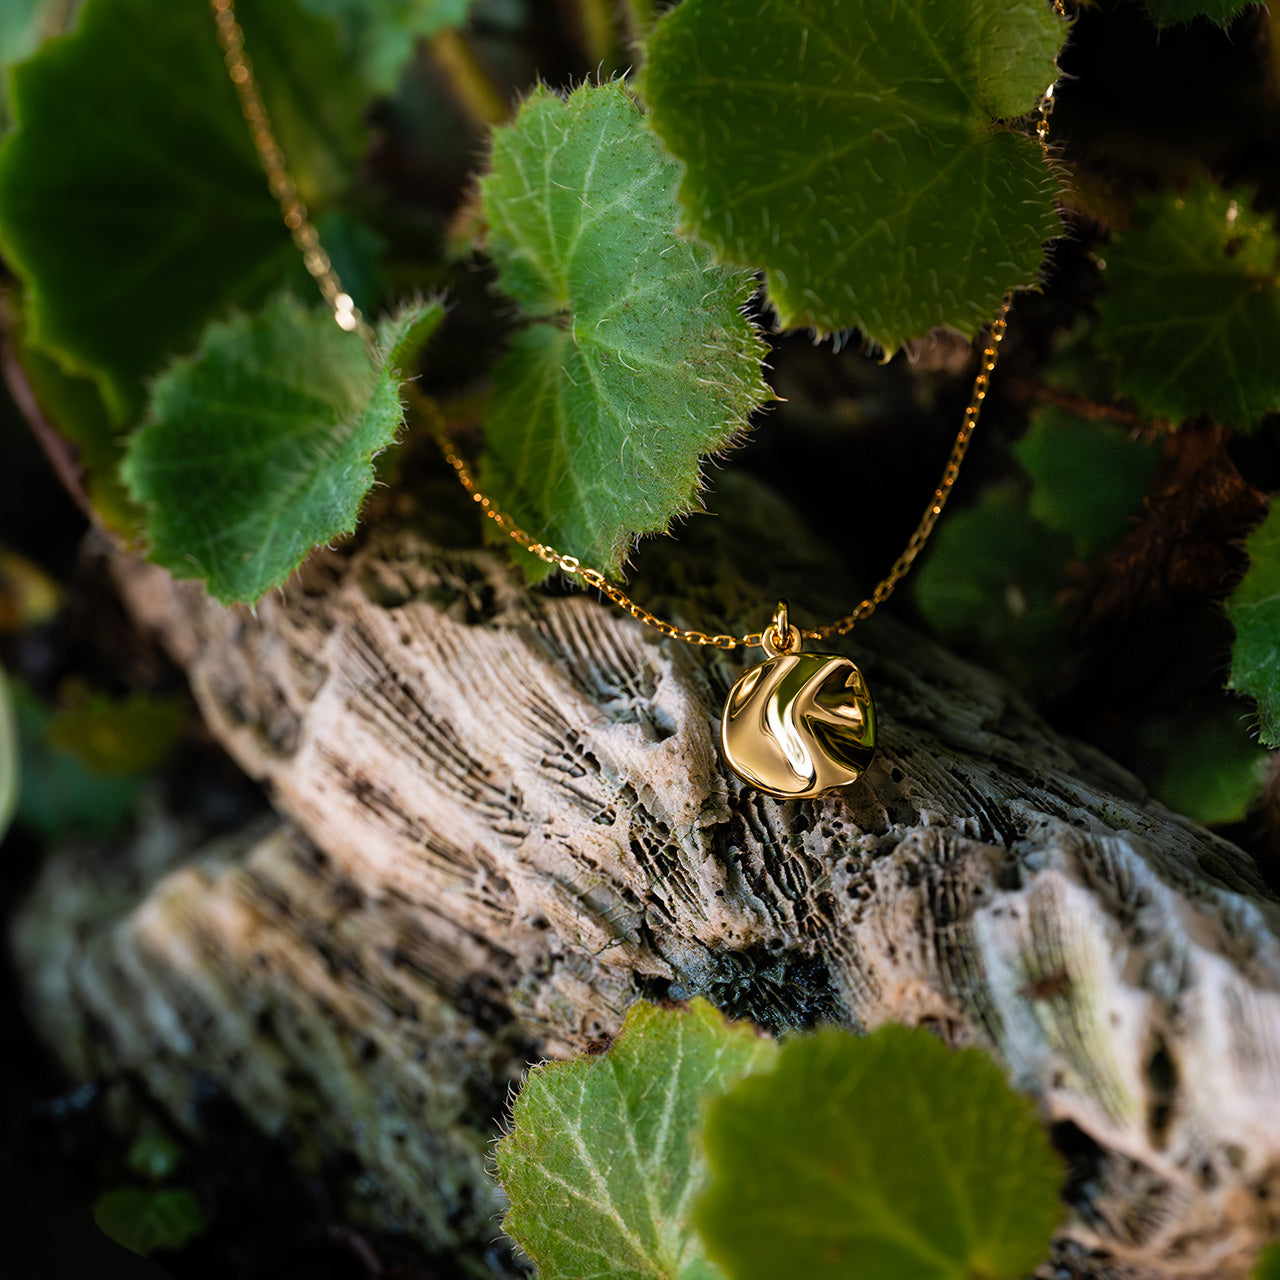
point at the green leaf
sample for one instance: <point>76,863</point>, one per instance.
<point>640,360</point>
<point>60,795</point>
<point>888,1156</point>
<point>117,736</point>
<point>1191,312</point>
<point>600,1163</point>
<point>1088,478</point>
<point>261,446</point>
<point>154,1155</point>
<point>381,34</point>
<point>1268,1265</point>
<point>1207,764</point>
<point>132,204</point>
<point>1254,610</point>
<point>9,777</point>
<point>990,583</point>
<point>146,1220</point>
<point>855,152</point>
<point>1167,13</point>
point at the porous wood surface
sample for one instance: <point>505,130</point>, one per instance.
<point>504,818</point>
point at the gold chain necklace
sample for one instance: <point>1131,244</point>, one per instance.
<point>798,723</point>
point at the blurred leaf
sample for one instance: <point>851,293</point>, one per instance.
<point>1208,765</point>
<point>600,1163</point>
<point>886,1156</point>
<point>1088,478</point>
<point>132,203</point>
<point>154,1155</point>
<point>855,152</point>
<point>146,1219</point>
<point>640,361</point>
<point>261,445</point>
<point>1268,1265</point>
<point>1165,13</point>
<point>1254,610</point>
<point>113,737</point>
<point>9,776</point>
<point>381,34</point>
<point>1191,311</point>
<point>990,583</point>
<point>28,596</point>
<point>59,794</point>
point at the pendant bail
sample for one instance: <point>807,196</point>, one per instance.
<point>780,637</point>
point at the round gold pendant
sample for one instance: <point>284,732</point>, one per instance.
<point>799,723</point>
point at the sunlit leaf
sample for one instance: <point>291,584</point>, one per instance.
<point>855,151</point>
<point>888,1156</point>
<point>261,446</point>
<point>639,362</point>
<point>600,1164</point>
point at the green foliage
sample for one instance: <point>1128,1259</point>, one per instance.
<point>61,794</point>
<point>1254,610</point>
<point>133,118</point>
<point>261,446</point>
<point>148,1219</point>
<point>154,1156</point>
<point>9,777</point>
<point>1166,13</point>
<point>1268,1265</point>
<point>381,34</point>
<point>855,151</point>
<point>887,1155</point>
<point>1192,308</point>
<point>111,736</point>
<point>639,360</point>
<point>990,581</point>
<point>1088,478</point>
<point>600,1163</point>
<point>1206,763</point>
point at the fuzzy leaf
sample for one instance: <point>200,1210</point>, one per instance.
<point>640,361</point>
<point>1191,312</point>
<point>261,446</point>
<point>854,151</point>
<point>1167,13</point>
<point>1254,610</point>
<point>381,34</point>
<point>132,203</point>
<point>887,1155</point>
<point>600,1163</point>
<point>146,1219</point>
<point>990,582</point>
<point>1088,478</point>
<point>8,756</point>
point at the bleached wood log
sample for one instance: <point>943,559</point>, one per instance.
<point>508,819</point>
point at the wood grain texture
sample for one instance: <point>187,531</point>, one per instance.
<point>506,819</point>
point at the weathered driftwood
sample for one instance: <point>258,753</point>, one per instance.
<point>506,819</point>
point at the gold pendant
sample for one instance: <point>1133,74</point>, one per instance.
<point>799,723</point>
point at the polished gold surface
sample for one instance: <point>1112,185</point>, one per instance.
<point>799,723</point>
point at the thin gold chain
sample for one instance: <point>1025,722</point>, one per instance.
<point>347,315</point>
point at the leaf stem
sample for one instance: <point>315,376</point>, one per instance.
<point>472,86</point>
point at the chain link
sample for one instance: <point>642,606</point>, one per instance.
<point>347,315</point>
